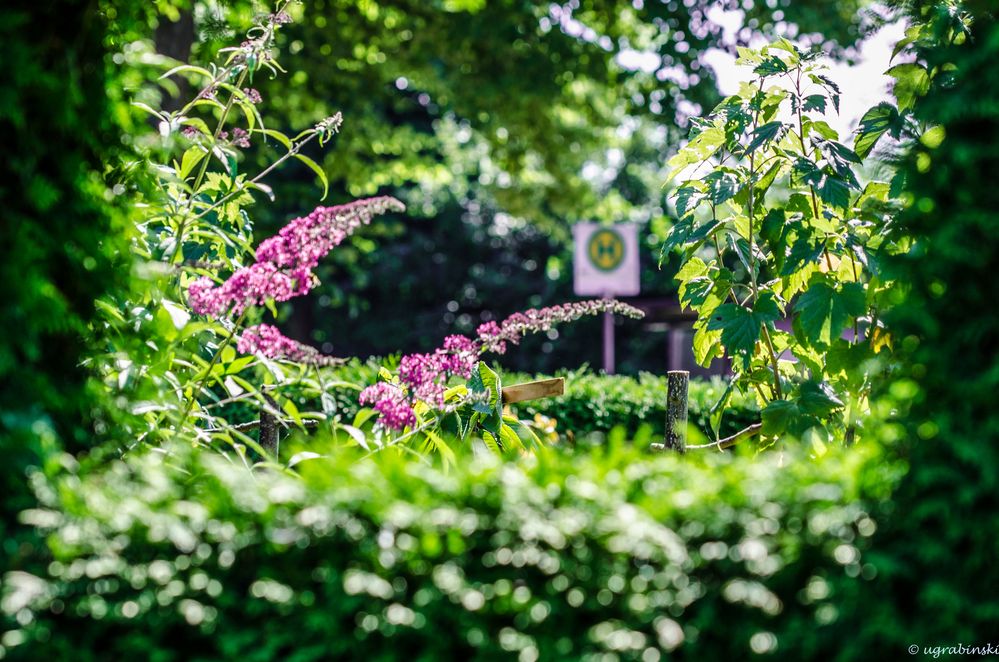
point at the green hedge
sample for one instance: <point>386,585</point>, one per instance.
<point>595,402</point>
<point>592,402</point>
<point>184,555</point>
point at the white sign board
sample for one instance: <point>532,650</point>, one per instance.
<point>605,262</point>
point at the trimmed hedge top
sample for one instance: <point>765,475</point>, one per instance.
<point>560,556</point>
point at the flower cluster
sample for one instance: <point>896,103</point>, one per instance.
<point>424,377</point>
<point>494,337</point>
<point>389,401</point>
<point>252,95</point>
<point>284,264</point>
<point>240,138</point>
<point>266,340</point>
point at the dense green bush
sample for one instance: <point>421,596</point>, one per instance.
<point>182,555</point>
<point>595,402</point>
<point>592,402</point>
<point>939,550</point>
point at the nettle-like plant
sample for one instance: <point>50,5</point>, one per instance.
<point>775,225</point>
<point>190,348</point>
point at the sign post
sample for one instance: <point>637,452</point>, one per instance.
<point>605,263</point>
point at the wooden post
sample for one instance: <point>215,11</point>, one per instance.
<point>268,437</point>
<point>676,410</point>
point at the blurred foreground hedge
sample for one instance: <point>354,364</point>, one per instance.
<point>182,555</point>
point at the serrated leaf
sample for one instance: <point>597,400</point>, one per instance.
<point>824,310</point>
<point>817,399</point>
<point>834,191</point>
<point>722,185</point>
<point>770,66</point>
<point>831,87</point>
<point>763,135</point>
<point>814,102</point>
<point>687,199</point>
<point>741,326</point>
<point>912,81</point>
<point>706,345</point>
<point>874,124</point>
<point>777,417</point>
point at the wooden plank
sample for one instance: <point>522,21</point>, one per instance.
<point>533,390</point>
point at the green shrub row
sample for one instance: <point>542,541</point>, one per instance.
<point>597,402</point>
<point>566,555</point>
<point>592,402</point>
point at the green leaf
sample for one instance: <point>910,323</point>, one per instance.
<point>718,408</point>
<point>435,442</point>
<point>763,135</point>
<point>817,399</point>
<point>706,344</point>
<point>912,81</point>
<point>187,67</point>
<point>740,326</point>
<point>874,124</point>
<point>771,66</point>
<point>722,185</point>
<point>509,438</point>
<point>191,158</point>
<point>316,169</point>
<point>485,380</point>
<point>687,199</point>
<point>834,191</point>
<point>831,87</point>
<point>778,416</point>
<point>814,102</point>
<point>278,136</point>
<point>824,310</point>
<point>840,157</point>
<point>767,180</point>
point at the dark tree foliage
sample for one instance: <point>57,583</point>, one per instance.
<point>942,540</point>
<point>59,231</point>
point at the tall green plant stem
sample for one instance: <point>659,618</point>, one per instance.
<point>203,169</point>
<point>752,262</point>
<point>189,404</point>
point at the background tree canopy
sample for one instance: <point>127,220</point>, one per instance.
<point>500,124</point>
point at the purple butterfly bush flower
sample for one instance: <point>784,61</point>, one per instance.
<point>389,401</point>
<point>284,262</point>
<point>240,138</point>
<point>424,377</point>
<point>266,340</point>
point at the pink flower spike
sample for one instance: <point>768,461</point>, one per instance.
<point>284,262</point>
<point>389,401</point>
<point>267,341</point>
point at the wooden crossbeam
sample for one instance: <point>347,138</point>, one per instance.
<point>533,390</point>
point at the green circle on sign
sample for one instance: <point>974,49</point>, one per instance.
<point>606,249</point>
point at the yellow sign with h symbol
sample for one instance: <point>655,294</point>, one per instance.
<point>606,249</point>
<point>606,260</point>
